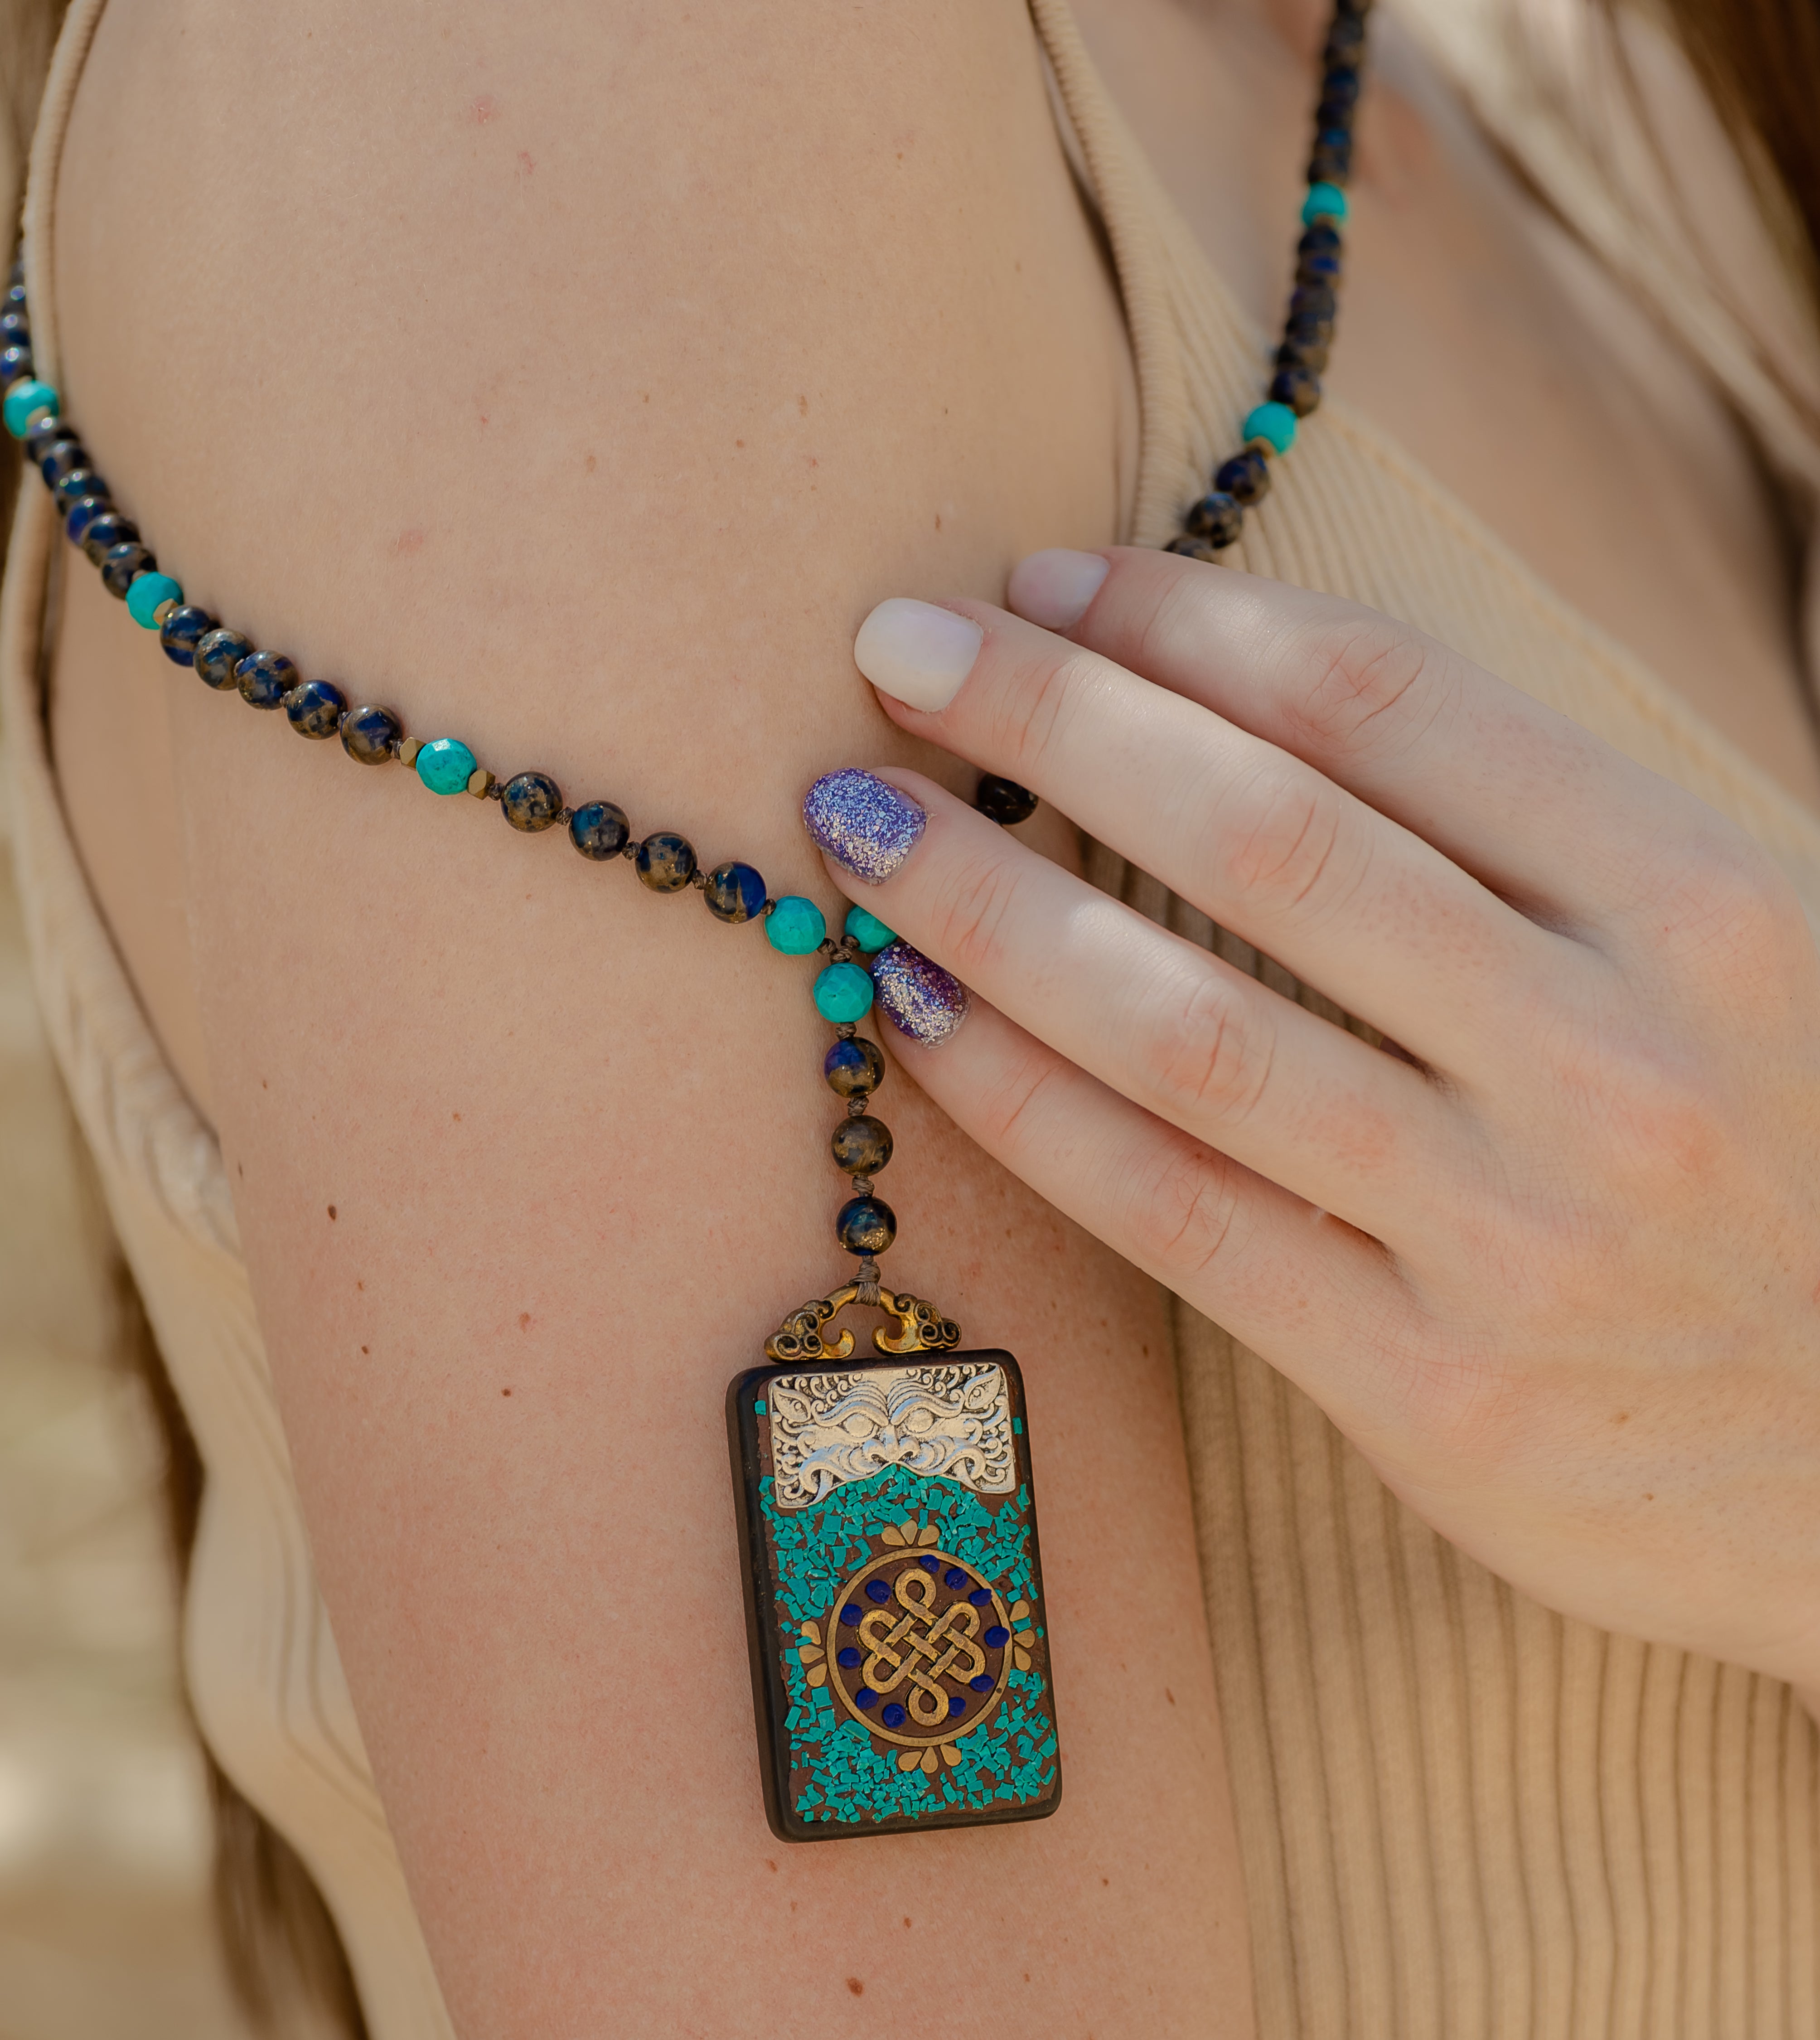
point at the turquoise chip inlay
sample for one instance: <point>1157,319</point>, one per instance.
<point>843,991</point>
<point>1324,202</point>
<point>868,930</point>
<point>794,927</point>
<point>759,1408</point>
<point>24,401</point>
<point>1274,422</point>
<point>1018,1425</point>
<point>445,765</point>
<point>148,594</point>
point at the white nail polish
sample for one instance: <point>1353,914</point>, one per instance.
<point>1053,589</point>
<point>916,653</point>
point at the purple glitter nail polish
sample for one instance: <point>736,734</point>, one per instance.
<point>919,998</point>
<point>862,823</point>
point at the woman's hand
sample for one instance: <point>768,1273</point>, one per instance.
<point>1554,1267</point>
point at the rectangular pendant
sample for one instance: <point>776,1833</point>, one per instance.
<point>894,1595</point>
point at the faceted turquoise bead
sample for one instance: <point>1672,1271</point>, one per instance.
<point>867,930</point>
<point>24,401</point>
<point>1274,422</point>
<point>445,765</point>
<point>794,927</point>
<point>147,595</point>
<point>1324,202</point>
<point>843,991</point>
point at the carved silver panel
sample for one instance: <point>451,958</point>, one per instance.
<point>951,1421</point>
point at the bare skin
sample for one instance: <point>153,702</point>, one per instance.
<point>598,436</point>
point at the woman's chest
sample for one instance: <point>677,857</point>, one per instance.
<point>1476,334</point>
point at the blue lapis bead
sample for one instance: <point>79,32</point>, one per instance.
<point>599,830</point>
<point>314,708</point>
<point>15,365</point>
<point>844,993</point>
<point>265,679</point>
<point>147,595</point>
<point>734,893</point>
<point>370,735</point>
<point>665,862</point>
<point>531,802</point>
<point>45,434</point>
<point>1275,423</point>
<point>106,532</point>
<point>1324,201</point>
<point>82,515</point>
<point>865,1226</point>
<point>854,1068</point>
<point>868,930</point>
<point>15,328</point>
<point>218,653</point>
<point>24,403</point>
<point>445,765</point>
<point>122,564</point>
<point>795,927</point>
<point>182,631</point>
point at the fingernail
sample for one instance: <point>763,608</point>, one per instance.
<point>919,998</point>
<point>916,653</point>
<point>1053,589</point>
<point>862,823</point>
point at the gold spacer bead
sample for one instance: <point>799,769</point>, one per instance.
<point>480,782</point>
<point>163,613</point>
<point>409,746</point>
<point>1266,447</point>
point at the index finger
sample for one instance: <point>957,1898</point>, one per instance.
<point>1535,807</point>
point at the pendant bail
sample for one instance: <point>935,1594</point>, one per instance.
<point>921,1327</point>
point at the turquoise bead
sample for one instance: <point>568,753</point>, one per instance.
<point>445,765</point>
<point>1274,422</point>
<point>1324,202</point>
<point>148,594</point>
<point>794,927</point>
<point>843,991</point>
<point>867,930</point>
<point>24,401</point>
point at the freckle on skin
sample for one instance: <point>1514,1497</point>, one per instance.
<point>331,1211</point>
<point>769,1864</point>
<point>854,1985</point>
<point>366,1348</point>
<point>505,1391</point>
<point>1168,1696</point>
<point>589,465</point>
<point>524,1321</point>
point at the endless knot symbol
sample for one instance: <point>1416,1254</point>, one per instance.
<point>945,1643</point>
<point>918,1648</point>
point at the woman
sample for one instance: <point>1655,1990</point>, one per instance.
<point>582,387</point>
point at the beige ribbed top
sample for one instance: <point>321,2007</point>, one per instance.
<point>1462,1818</point>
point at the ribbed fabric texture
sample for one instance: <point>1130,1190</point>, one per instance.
<point>1462,1816</point>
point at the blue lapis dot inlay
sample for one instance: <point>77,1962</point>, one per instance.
<point>865,1698</point>
<point>982,1683</point>
<point>957,1707</point>
<point>929,1565</point>
<point>954,1578</point>
<point>997,1637</point>
<point>877,1590</point>
<point>894,1716</point>
<point>979,1596</point>
<point>850,1615</point>
<point>848,1659</point>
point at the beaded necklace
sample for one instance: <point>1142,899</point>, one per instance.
<point>888,1538</point>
